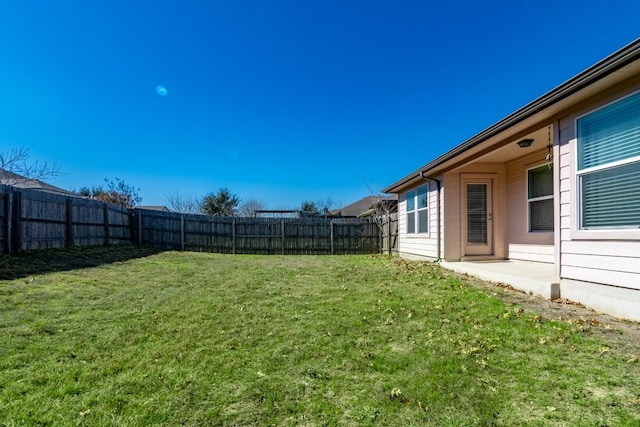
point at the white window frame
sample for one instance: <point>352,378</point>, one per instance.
<point>416,211</point>
<point>623,233</point>
<point>537,199</point>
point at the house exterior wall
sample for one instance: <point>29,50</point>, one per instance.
<point>521,243</point>
<point>419,245</point>
<point>590,259</point>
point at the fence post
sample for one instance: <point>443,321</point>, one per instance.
<point>182,232</point>
<point>233,250</point>
<point>380,237</point>
<point>139,212</point>
<point>282,231</point>
<point>8,226</point>
<point>107,238</point>
<point>213,234</point>
<point>16,223</point>
<point>133,238</point>
<point>332,246</point>
<point>389,234</point>
<point>68,236</point>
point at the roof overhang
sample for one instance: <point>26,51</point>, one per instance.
<point>616,68</point>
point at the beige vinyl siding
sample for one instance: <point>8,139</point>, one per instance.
<point>402,216</point>
<point>590,256</point>
<point>616,263</point>
<point>529,252</point>
<point>452,217</point>
<point>418,244</point>
<point>565,162</point>
<point>522,244</point>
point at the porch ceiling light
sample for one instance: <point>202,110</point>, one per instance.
<point>525,143</point>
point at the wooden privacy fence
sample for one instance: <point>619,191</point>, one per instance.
<point>287,236</point>
<point>32,219</point>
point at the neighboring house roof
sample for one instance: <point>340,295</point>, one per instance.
<point>19,181</point>
<point>155,208</point>
<point>363,207</point>
<point>613,69</point>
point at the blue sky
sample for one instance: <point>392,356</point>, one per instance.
<point>281,101</point>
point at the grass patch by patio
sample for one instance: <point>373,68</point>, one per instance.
<point>204,339</point>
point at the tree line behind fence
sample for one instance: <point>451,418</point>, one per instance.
<point>32,219</point>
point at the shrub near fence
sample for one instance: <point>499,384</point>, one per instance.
<point>33,219</point>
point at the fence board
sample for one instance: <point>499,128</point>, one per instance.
<point>4,218</point>
<point>87,222</point>
<point>42,217</point>
<point>119,226</point>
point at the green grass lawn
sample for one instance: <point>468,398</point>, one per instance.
<point>203,339</point>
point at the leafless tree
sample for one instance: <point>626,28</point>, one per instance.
<point>16,161</point>
<point>325,206</point>
<point>183,203</point>
<point>385,215</point>
<point>383,206</point>
<point>249,207</point>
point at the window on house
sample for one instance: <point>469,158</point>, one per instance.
<point>608,169</point>
<point>418,210</point>
<point>540,198</point>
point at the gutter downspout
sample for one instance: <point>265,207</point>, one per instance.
<point>438,185</point>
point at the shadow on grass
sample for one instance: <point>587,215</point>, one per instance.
<point>50,260</point>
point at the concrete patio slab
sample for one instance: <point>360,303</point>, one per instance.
<point>533,277</point>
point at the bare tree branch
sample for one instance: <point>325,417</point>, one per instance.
<point>183,203</point>
<point>16,161</point>
<point>384,207</point>
<point>249,207</point>
<point>325,206</point>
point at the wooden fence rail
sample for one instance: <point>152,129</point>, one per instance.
<point>32,219</point>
